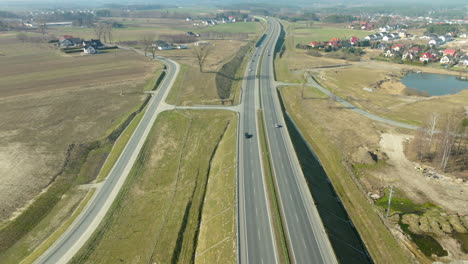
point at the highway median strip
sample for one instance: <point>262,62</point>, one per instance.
<point>280,235</point>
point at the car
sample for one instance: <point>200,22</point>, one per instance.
<point>250,70</point>
<point>278,126</point>
<point>248,135</point>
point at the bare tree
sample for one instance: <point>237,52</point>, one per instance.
<point>108,32</point>
<point>21,37</point>
<point>147,41</point>
<point>430,131</point>
<point>42,26</point>
<point>201,52</point>
<point>447,139</point>
<point>99,30</point>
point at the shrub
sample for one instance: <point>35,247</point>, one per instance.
<point>314,53</point>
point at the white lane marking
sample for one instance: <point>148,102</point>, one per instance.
<point>297,219</point>
<point>290,197</point>
<point>258,234</point>
<point>256,211</point>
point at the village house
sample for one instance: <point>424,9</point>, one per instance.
<point>447,60</point>
<point>449,52</point>
<point>390,53</point>
<point>313,44</point>
<point>397,47</point>
<point>382,46</point>
<point>89,50</point>
<point>463,61</point>
<point>353,41</point>
<point>95,43</point>
<point>67,41</point>
<point>426,57</point>
<point>407,55</point>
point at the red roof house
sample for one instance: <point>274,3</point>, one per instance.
<point>426,56</point>
<point>450,52</point>
<point>313,44</point>
<point>66,37</point>
<point>353,40</point>
<point>397,47</point>
<point>414,49</point>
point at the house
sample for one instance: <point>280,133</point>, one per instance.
<point>447,60</point>
<point>369,37</point>
<point>403,34</point>
<point>408,56</point>
<point>95,43</point>
<point>449,52</point>
<point>69,42</point>
<point>89,50</point>
<point>397,47</point>
<point>435,42</point>
<point>313,44</point>
<point>389,53</point>
<point>353,40</point>
<point>382,46</point>
<point>414,49</point>
<point>181,47</point>
<point>463,62</point>
<point>426,57</point>
<point>387,37</point>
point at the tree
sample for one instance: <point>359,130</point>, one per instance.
<point>99,30</point>
<point>447,139</point>
<point>147,41</point>
<point>21,37</point>
<point>201,52</point>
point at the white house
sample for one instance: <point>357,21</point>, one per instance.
<point>447,59</point>
<point>407,56</point>
<point>89,50</point>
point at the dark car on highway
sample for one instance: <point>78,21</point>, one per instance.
<point>248,135</point>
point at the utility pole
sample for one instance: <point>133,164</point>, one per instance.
<point>389,201</point>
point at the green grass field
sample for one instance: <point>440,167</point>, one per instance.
<point>240,27</point>
<point>156,216</point>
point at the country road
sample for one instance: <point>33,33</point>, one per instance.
<point>86,223</point>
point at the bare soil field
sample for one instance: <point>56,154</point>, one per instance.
<point>49,101</point>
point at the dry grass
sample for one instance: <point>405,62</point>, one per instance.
<point>156,216</point>
<point>194,87</point>
<point>312,117</point>
<point>49,101</point>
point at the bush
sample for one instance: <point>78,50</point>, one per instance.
<point>227,74</point>
<point>314,53</point>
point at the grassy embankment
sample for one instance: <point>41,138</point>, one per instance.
<point>375,235</point>
<point>280,237</point>
<point>156,216</point>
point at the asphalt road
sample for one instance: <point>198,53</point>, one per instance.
<point>85,224</point>
<point>351,107</point>
<point>304,229</point>
<point>256,242</point>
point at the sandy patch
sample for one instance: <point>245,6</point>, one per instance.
<point>449,195</point>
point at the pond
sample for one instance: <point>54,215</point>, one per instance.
<point>434,84</point>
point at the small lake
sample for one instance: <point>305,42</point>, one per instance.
<point>434,84</point>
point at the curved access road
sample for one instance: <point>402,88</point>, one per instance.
<point>86,223</point>
<point>304,230</point>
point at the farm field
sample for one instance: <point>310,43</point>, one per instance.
<point>53,104</point>
<point>304,34</point>
<point>157,215</point>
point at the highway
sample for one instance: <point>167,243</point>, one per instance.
<point>256,243</point>
<point>82,228</point>
<point>306,236</point>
